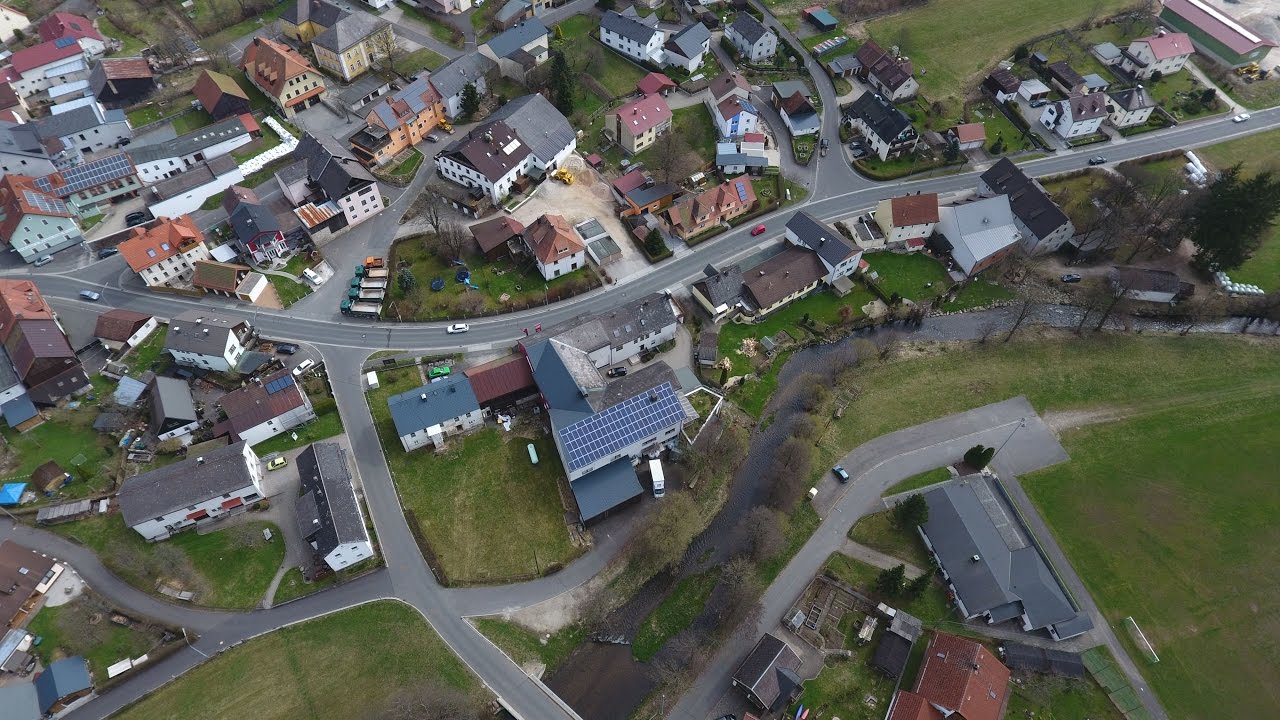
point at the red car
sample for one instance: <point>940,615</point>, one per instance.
<point>759,230</point>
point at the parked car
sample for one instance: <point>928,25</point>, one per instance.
<point>105,253</point>
<point>90,295</point>
<point>1071,278</point>
<point>303,366</point>
<point>1039,103</point>
<point>433,138</point>
<point>758,230</point>
<point>1241,118</point>
<point>136,218</point>
<point>841,474</point>
<point>439,371</point>
<point>286,348</point>
<point>457,328</point>
<point>616,372</point>
<point>277,463</point>
<point>1097,160</point>
<point>43,260</point>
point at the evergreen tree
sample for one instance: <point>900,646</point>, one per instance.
<point>912,512</point>
<point>1229,222</point>
<point>889,582</point>
<point>470,100</point>
<point>406,280</point>
<point>562,83</point>
<point>653,243</point>
<point>916,587</point>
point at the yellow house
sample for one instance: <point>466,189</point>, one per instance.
<point>308,18</point>
<point>349,47</point>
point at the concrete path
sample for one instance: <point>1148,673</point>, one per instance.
<point>875,558</point>
<point>1205,80</point>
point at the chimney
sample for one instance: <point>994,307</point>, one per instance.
<point>976,558</point>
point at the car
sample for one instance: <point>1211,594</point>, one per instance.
<point>439,371</point>
<point>433,138</point>
<point>43,260</point>
<point>135,218</point>
<point>616,372</point>
<point>1039,103</point>
<point>124,142</point>
<point>456,328</point>
<point>824,144</point>
<point>286,348</point>
<point>1071,278</point>
<point>1241,118</point>
<point>758,230</point>
<point>303,366</point>
<point>277,463</point>
<point>105,253</point>
<point>90,295</point>
<point>1097,160</point>
<point>841,474</point>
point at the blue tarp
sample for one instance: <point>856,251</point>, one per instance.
<point>18,410</point>
<point>604,489</point>
<point>11,493</point>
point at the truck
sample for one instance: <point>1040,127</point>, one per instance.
<point>361,309</point>
<point>370,295</point>
<point>374,262</point>
<point>367,284</point>
<point>362,271</point>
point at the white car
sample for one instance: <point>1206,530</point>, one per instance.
<point>457,328</point>
<point>1240,118</point>
<point>303,366</point>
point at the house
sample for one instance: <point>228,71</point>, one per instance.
<point>187,191</point>
<point>162,255</point>
<point>44,359</point>
<point>501,383</point>
<point>614,336</point>
<point>434,412</point>
<point>350,46</point>
<point>637,193</point>
<point>1095,83</point>
<point>787,276</point>
<point>694,214</point>
<point>165,501</point>
<point>1002,84</point>
<point>512,12</point>
<point>1108,54</point>
<point>1033,91</point>
<point>519,50</point>
<point>1077,116</point>
<point>1065,78</point>
<point>452,78</point>
<point>87,187</point>
<point>305,19</point>
<point>719,293</point>
<point>62,683</point>
<point>201,339</point>
<point>13,107</point>
<point>555,247</point>
<point>1130,108</point>
<point>768,675</point>
<point>735,117</point>
<point>219,278</point>
<point>22,152</point>
<point>636,125</point>
<point>539,125</point>
<point>989,573</point>
<point>960,679</point>
<point>122,329</point>
<point>820,18</point>
<point>257,232</point>
<point>748,154</point>
<point>35,223</point>
<point>793,100</point>
<point>283,75</point>
<point>978,233</point>
<point>887,130</point>
<point>173,412</point>
<point>969,136</point>
<point>26,577</point>
<point>838,254</point>
<point>399,121</point>
<point>732,85</point>
<point>1215,33</point>
<point>494,237</point>
<point>40,67</point>
<point>87,128</point>
<point>120,82</point>
<point>168,158</point>
<point>329,515</point>
<point>1043,225</point>
<point>341,179</point>
<point>264,408</point>
<point>12,21</point>
<point>888,74</point>
<point>490,157</point>
<point>908,217</point>
<point>20,300</point>
<point>632,36</point>
<point>1158,286</point>
<point>58,25</point>
<point>754,42</point>
<point>655,83</point>
<point>686,48</point>
<point>220,95</point>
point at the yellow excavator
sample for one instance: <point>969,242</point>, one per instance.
<point>1249,72</point>
<point>563,176</point>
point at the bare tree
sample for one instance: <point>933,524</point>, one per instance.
<point>889,344</point>
<point>453,237</point>
<point>432,208</point>
<point>986,330</point>
<point>672,157</point>
<point>390,47</point>
<point>866,350</point>
<point>803,426</point>
<point>1206,307</point>
<point>429,699</point>
<point>1020,316</point>
<point>764,532</point>
<point>1119,290</point>
<point>470,303</point>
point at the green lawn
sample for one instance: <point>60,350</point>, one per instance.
<point>1075,195</point>
<point>488,513</point>
<point>412,63</point>
<point>930,607</point>
<point>289,291</point>
<point>240,29</point>
<point>527,647</point>
<point>409,167</point>
<point>66,436</point>
<point>194,120</point>
<point>616,73</point>
<point>1174,91</point>
<point>69,630</point>
<point>924,479</point>
<point>1169,518</point>
<point>677,611</point>
<point>939,36</point>
<point>1048,697</point>
<point>293,586</point>
<point>916,276</point>
<point>977,294</point>
<point>230,568</point>
<point>842,686</point>
<point>803,521</point>
<point>383,648</point>
<point>1256,153</point>
<point>998,126</point>
<point>878,532</point>
<point>132,45</point>
<point>326,425</point>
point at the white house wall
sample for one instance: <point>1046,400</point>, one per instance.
<point>348,554</point>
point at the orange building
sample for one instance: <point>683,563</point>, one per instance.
<point>399,121</point>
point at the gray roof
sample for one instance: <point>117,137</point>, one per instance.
<point>447,399</point>
<point>732,159</point>
<point>363,86</point>
<point>615,327</point>
<point>331,166</point>
<point>786,88</point>
<point>62,678</point>
<point>1032,205</point>
<point>1133,99</point>
<point>350,31</point>
<point>193,142</point>
<point>1107,50</point>
<point>173,487</point>
<point>886,121</point>
<point>453,76</point>
<point>844,63</point>
<point>202,174</point>
<point>826,241</point>
<point>171,404</point>
<point>318,11</point>
<point>538,123</point>
<point>762,671</point>
<point>201,332</point>
<point>629,27</point>
<point>959,529</point>
<point>77,120</point>
<point>646,193</point>
<point>20,700</point>
<point>513,9</point>
<point>21,140</point>
<point>599,491</point>
<point>722,287</point>
<point>250,220</point>
<point>411,95</point>
<point>553,364</point>
<point>689,41</point>
<point>327,491</point>
<point>1134,279</point>
<point>293,172</point>
<point>748,27</point>
<point>517,37</point>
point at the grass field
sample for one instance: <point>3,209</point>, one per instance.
<point>924,479</point>
<point>939,36</point>
<point>488,513</point>
<point>327,424</point>
<point>977,294</point>
<point>68,434</point>
<point>677,611</point>
<point>71,629</point>
<point>878,532</point>
<point>616,73</point>
<point>146,356</point>
<point>1047,697</point>
<point>916,276</point>
<point>412,63</point>
<point>382,648</point>
<point>1256,153</point>
<point>527,647</point>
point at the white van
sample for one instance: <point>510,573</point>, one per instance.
<point>659,481</point>
<point>312,276</point>
<point>371,379</point>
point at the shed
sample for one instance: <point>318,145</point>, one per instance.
<point>820,18</point>
<point>49,477</point>
<point>62,683</point>
<point>891,654</point>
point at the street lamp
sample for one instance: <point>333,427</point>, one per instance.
<point>1022,422</point>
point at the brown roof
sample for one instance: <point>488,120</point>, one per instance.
<point>21,300</point>
<point>125,68</point>
<point>500,377</point>
<point>797,103</point>
<point>918,209</point>
<point>723,199</point>
<point>16,586</point>
<point>148,247</point>
<point>19,197</point>
<point>970,132</point>
<point>213,275</point>
<point>550,238</point>
<point>272,64</point>
<point>38,339</point>
<point>212,85</point>
<point>252,405</point>
<point>726,82</point>
<point>910,706</point>
<point>782,275</point>
<point>960,675</point>
<point>1003,80</point>
<point>492,149</point>
<point>119,325</point>
<point>1065,74</point>
<point>493,233</point>
<point>48,476</point>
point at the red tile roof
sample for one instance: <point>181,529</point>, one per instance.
<point>61,24</point>
<point>644,113</point>
<point>148,247</point>
<point>629,182</point>
<point>655,82</point>
<point>210,86</point>
<point>20,300</point>
<point>971,132</point>
<point>960,675</point>
<point>125,68</point>
<point>493,233</point>
<point>1168,45</point>
<point>910,706</point>
<point>550,238</point>
<point>272,64</point>
<point>1218,25</point>
<point>920,209</point>
<point>501,377</point>
<point>252,405</point>
<point>18,194</point>
<point>753,137</point>
<point>119,324</point>
<point>43,54</point>
<point>797,103</point>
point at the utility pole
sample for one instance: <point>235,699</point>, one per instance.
<point>1022,422</point>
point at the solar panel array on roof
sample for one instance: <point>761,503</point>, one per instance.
<point>278,384</point>
<point>62,42</point>
<point>621,425</point>
<point>44,202</point>
<point>742,191</point>
<point>93,173</point>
